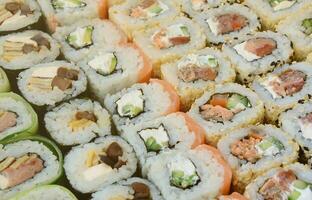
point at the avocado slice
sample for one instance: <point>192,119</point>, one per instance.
<point>307,24</point>
<point>131,110</point>
<point>236,99</point>
<point>156,9</point>
<point>61,4</point>
<point>300,184</point>
<point>185,30</point>
<point>152,145</point>
<point>294,195</point>
<point>87,38</point>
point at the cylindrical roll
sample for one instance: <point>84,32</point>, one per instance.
<point>197,174</point>
<point>254,150</point>
<point>169,41</point>
<point>284,88</point>
<point>174,131</point>
<point>79,39</point>
<point>28,162</point>
<point>114,68</point>
<point>17,14</point>
<point>17,117</point>
<point>132,188</point>
<point>195,7</point>
<point>228,23</point>
<point>142,102</point>
<point>292,182</point>
<point>26,49</point>
<point>50,83</point>
<point>92,166</point>
<point>77,121</point>
<point>228,107</point>
<point>196,72</point>
<point>4,81</point>
<point>259,53</point>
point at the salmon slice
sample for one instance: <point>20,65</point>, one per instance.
<point>261,46</point>
<point>7,120</point>
<point>217,113</point>
<point>231,22</point>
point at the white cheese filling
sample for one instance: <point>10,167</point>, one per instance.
<point>269,87</point>
<point>183,164</point>
<point>159,134</point>
<point>305,194</point>
<point>103,63</point>
<point>97,171</point>
<point>133,98</point>
<point>306,129</point>
<point>213,25</point>
<point>240,49</point>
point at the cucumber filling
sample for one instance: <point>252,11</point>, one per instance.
<point>63,4</point>
<point>281,4</point>
<point>307,25</point>
<point>148,9</point>
<point>81,37</point>
<point>155,139</point>
<point>131,104</point>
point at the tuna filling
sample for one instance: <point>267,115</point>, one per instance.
<point>307,25</point>
<point>148,8</point>
<point>141,191</point>
<point>81,37</point>
<point>305,123</point>
<point>14,11</point>
<point>68,4</point>
<point>82,120</point>
<point>131,104</point>
<point>281,4</point>
<point>7,120</point>
<point>155,139</point>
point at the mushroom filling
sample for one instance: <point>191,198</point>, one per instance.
<point>141,191</point>
<point>307,26</point>
<point>104,64</point>
<point>81,37</point>
<point>256,48</point>
<point>155,139</point>
<point>17,170</point>
<point>227,23</point>
<point>48,78</point>
<point>198,67</point>
<point>17,46</point>
<point>305,124</point>
<point>82,120</point>
<point>171,36</point>
<point>285,185</point>
<point>285,84</point>
<point>183,173</point>
<point>281,4</point>
<point>68,4</point>
<point>131,104</point>
<point>101,163</point>
<point>14,11</point>
<point>254,146</point>
<point>223,107</point>
<point>148,9</point>
<point>8,120</point>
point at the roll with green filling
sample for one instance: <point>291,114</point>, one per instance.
<point>4,81</point>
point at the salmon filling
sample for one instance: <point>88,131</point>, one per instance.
<point>14,171</point>
<point>305,123</point>
<point>286,186</point>
<point>7,120</point>
<point>307,25</point>
<point>223,107</point>
<point>82,120</point>
<point>13,11</point>
<point>148,8</point>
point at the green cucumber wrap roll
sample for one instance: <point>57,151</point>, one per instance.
<point>4,82</point>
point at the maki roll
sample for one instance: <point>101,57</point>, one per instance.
<point>26,49</point>
<point>142,102</point>
<point>17,117</point>
<point>272,11</point>
<point>50,83</point>
<point>196,72</point>
<point>174,131</point>
<point>4,82</point>
<point>47,192</point>
<point>114,68</point>
<point>284,88</point>
<point>233,196</point>
<point>132,188</point>
<point>17,14</point>
<point>79,39</point>
<point>254,150</point>
<point>92,166</point>
<point>298,122</point>
<point>196,174</point>
<point>228,107</point>
<point>77,121</point>
<point>258,54</point>
<point>228,23</point>
<point>67,12</point>
<point>170,40</point>
<point>292,182</point>
<point>133,15</point>
<point>27,163</point>
<point>299,30</point>
<point>195,7</point>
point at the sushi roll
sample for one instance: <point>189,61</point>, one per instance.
<point>114,68</point>
<point>197,174</point>
<point>66,12</point>
<point>142,102</point>
<point>79,39</point>
<point>228,107</point>
<point>233,196</point>
<point>258,54</point>
<point>292,182</point>
<point>174,131</point>
<point>254,150</point>
<point>18,14</point>
<point>133,15</point>
<point>132,188</point>
<point>196,72</point>
<point>47,192</point>
<point>4,82</point>
<point>299,31</point>
<point>228,23</point>
<point>169,41</point>
<point>284,88</point>
<point>27,163</point>
<point>51,83</point>
<point>92,166</point>
<point>17,117</point>
<point>26,49</point>
<point>297,122</point>
<point>195,7</point>
<point>77,121</point>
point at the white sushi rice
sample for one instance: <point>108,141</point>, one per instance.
<point>75,165</point>
<point>20,148</point>
<point>57,122</point>
<point>193,7</point>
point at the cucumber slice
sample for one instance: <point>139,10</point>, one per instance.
<point>185,31</point>
<point>294,195</point>
<point>307,24</point>
<point>156,9</point>
<point>212,62</point>
<point>131,110</point>
<point>87,38</point>
<point>300,184</point>
<point>237,99</point>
